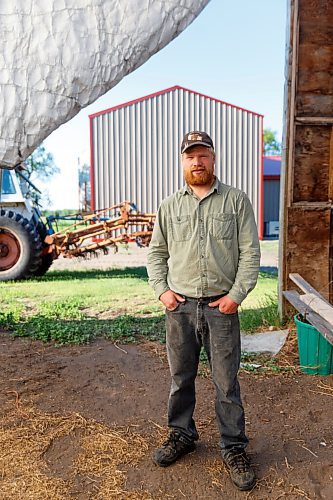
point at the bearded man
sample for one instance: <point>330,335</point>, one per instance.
<point>203,260</point>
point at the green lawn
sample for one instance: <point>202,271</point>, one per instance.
<point>118,303</point>
<point>271,245</point>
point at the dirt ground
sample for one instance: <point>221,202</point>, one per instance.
<point>54,399</point>
<point>289,421</point>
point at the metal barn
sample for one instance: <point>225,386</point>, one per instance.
<point>272,170</point>
<point>135,148</point>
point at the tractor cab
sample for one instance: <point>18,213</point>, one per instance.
<point>22,232</point>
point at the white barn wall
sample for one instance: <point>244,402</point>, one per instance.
<point>135,148</point>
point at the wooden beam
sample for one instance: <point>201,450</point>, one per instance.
<point>294,42</point>
<point>323,327</point>
<point>330,179</point>
<point>305,286</point>
<point>312,205</point>
<point>287,144</point>
<point>319,305</point>
<point>306,221</point>
<point>330,196</point>
<point>314,120</point>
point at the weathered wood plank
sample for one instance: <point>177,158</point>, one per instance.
<point>311,174</point>
<point>330,168</point>
<point>314,58</point>
<point>314,120</point>
<point>305,286</point>
<point>312,205</point>
<point>313,103</point>
<point>308,247</point>
<point>316,74</point>
<point>316,21</point>
<point>324,328</point>
<point>306,240</point>
<point>319,306</point>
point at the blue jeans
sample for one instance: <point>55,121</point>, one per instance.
<point>190,326</point>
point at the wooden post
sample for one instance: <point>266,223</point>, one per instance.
<point>307,192</point>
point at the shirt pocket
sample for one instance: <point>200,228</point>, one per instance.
<point>181,228</point>
<point>222,226</point>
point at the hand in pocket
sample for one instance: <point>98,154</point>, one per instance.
<point>171,300</point>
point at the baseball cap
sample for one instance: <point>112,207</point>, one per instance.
<point>196,138</point>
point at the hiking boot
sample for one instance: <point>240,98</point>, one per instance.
<point>174,447</point>
<point>239,468</point>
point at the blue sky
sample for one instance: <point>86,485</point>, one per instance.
<point>233,51</point>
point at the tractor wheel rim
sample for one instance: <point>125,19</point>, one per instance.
<point>10,250</point>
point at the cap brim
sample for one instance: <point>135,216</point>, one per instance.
<point>198,143</point>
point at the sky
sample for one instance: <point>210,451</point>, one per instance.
<point>233,51</point>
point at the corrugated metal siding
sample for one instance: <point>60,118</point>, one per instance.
<point>272,200</point>
<point>136,147</point>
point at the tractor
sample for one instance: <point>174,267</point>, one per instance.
<point>28,246</point>
<point>23,251</point>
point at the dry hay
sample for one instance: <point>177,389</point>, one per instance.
<point>270,486</point>
<point>288,356</point>
<point>278,487</point>
<point>99,461</point>
<point>157,349</point>
<point>324,389</point>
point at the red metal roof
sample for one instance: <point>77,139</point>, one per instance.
<point>170,89</point>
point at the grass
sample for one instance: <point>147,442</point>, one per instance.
<point>262,315</point>
<point>272,245</point>
<point>78,306</point>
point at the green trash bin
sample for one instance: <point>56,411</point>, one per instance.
<point>315,353</point>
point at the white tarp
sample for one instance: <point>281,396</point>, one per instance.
<point>264,342</point>
<point>58,56</point>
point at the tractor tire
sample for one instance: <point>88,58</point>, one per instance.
<point>46,263</point>
<point>46,259</point>
<point>20,247</point>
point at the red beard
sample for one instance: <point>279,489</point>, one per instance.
<point>202,179</point>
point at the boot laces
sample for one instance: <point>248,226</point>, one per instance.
<point>239,462</point>
<point>172,440</point>
<point>175,440</point>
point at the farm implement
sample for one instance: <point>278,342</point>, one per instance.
<point>28,246</point>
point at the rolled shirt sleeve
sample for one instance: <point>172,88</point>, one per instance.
<point>158,255</point>
<point>249,252</point>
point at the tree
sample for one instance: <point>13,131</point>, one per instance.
<point>84,187</point>
<point>271,144</point>
<point>39,166</point>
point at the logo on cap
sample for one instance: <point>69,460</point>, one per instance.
<point>194,137</point>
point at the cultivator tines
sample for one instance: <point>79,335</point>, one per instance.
<point>120,223</point>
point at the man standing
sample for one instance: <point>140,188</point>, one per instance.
<point>203,260</point>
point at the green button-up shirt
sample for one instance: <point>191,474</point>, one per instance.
<point>205,247</point>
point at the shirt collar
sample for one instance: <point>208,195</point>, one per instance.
<point>216,187</point>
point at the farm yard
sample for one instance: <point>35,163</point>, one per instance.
<point>85,382</point>
<point>84,374</point>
